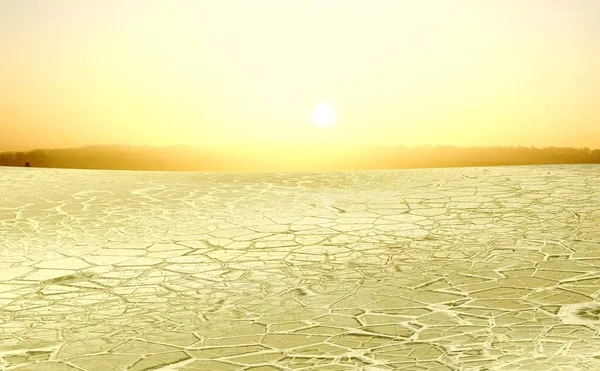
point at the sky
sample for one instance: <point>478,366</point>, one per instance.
<point>328,72</point>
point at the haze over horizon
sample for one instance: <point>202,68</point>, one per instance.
<point>333,73</point>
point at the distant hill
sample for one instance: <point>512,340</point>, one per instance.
<point>292,157</point>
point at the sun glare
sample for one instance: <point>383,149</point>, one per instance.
<point>324,115</point>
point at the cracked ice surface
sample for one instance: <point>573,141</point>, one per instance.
<point>438,269</point>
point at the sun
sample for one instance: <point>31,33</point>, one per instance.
<point>324,114</point>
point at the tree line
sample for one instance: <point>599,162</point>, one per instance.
<point>187,158</point>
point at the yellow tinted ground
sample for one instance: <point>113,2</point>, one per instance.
<point>436,269</point>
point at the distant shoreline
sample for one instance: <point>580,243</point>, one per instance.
<point>295,158</point>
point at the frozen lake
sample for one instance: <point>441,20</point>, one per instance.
<point>436,269</point>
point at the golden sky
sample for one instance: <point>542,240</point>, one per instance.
<point>206,72</point>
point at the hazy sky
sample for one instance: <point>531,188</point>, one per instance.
<point>458,72</point>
